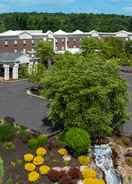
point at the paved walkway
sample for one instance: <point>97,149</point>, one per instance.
<point>28,110</point>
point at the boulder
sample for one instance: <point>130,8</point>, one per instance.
<point>128,153</point>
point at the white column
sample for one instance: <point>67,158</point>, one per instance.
<point>30,67</point>
<point>54,44</point>
<point>6,72</point>
<point>15,71</point>
<point>66,40</point>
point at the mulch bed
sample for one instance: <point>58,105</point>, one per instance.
<point>16,171</point>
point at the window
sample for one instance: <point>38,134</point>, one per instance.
<point>6,43</point>
<point>24,42</point>
<point>15,42</point>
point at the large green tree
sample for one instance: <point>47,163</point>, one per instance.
<point>86,93</point>
<point>90,45</point>
<point>45,52</point>
<point>67,22</point>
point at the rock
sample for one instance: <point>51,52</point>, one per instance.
<point>128,153</point>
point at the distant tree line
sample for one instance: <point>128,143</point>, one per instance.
<point>66,22</point>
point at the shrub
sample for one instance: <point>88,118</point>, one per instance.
<point>9,146</point>
<point>42,140</point>
<point>54,175</point>
<point>34,143</point>
<point>77,140</point>
<point>74,173</point>
<point>24,134</point>
<point>66,180</point>
<point>1,170</point>
<point>9,181</point>
<point>7,132</point>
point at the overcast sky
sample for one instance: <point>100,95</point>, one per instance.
<point>88,6</point>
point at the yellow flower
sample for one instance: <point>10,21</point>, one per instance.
<point>89,173</point>
<point>30,167</point>
<point>84,160</point>
<point>38,160</point>
<point>101,181</point>
<point>63,151</point>
<point>41,151</point>
<point>28,157</point>
<point>33,176</point>
<point>44,169</point>
<point>93,181</point>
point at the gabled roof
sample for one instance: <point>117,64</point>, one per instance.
<point>122,31</point>
<point>93,31</point>
<point>60,32</point>
<point>19,32</point>
<point>78,32</point>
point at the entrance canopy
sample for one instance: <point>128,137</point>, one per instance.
<point>10,62</point>
<point>7,58</point>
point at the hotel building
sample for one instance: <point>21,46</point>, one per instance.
<point>17,47</point>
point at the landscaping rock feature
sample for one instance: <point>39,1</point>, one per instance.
<point>120,161</point>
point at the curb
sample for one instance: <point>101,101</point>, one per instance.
<point>37,96</point>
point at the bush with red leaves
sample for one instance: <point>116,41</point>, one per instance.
<point>66,180</point>
<point>54,175</point>
<point>74,173</point>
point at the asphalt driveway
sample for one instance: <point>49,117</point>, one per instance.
<point>27,110</point>
<point>31,111</point>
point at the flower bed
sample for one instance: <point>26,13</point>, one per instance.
<point>35,159</point>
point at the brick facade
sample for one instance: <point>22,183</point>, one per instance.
<point>24,41</point>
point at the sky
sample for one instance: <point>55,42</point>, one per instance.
<point>88,6</point>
